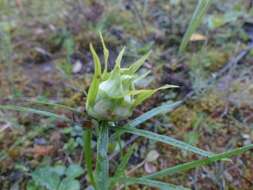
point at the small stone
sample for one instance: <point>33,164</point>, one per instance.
<point>77,67</point>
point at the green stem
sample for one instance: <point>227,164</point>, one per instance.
<point>88,155</point>
<point>102,163</point>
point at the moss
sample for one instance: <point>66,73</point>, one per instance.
<point>183,117</point>
<point>75,99</point>
<point>209,103</point>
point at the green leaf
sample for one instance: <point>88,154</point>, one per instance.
<point>196,19</point>
<point>88,155</point>
<point>69,184</point>
<point>151,183</point>
<point>199,163</point>
<point>46,177</point>
<point>44,102</point>
<point>164,108</point>
<point>121,167</point>
<point>136,65</point>
<point>96,79</point>
<point>35,111</point>
<point>102,163</point>
<point>119,59</point>
<point>164,139</point>
<point>124,161</point>
<point>31,185</point>
<point>144,94</point>
<point>59,169</point>
<point>74,170</point>
<point>106,54</point>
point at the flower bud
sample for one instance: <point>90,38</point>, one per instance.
<point>112,95</point>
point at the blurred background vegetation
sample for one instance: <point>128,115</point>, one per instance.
<point>44,56</point>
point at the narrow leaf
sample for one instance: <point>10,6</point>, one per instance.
<point>151,183</point>
<point>88,155</point>
<point>124,161</point>
<point>136,65</point>
<point>102,163</point>
<point>121,167</point>
<point>164,108</point>
<point>199,163</point>
<point>119,59</point>
<point>196,19</point>
<point>96,78</point>
<point>53,104</point>
<point>165,139</point>
<point>144,94</point>
<point>106,54</point>
<point>35,111</point>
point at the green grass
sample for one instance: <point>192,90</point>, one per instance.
<point>196,19</point>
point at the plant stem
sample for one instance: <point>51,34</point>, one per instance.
<point>102,163</point>
<point>88,155</point>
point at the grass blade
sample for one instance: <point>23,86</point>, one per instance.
<point>151,183</point>
<point>88,155</point>
<point>56,105</point>
<point>164,139</point>
<point>196,19</point>
<point>121,167</point>
<point>35,111</point>
<point>102,163</point>
<point>124,161</point>
<point>165,108</point>
<point>199,163</point>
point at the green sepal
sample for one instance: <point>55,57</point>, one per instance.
<point>119,59</point>
<point>95,80</point>
<point>106,54</point>
<point>136,65</point>
<point>142,95</point>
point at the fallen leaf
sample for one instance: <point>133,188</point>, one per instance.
<point>198,37</point>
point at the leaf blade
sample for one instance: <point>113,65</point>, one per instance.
<point>35,111</point>
<point>151,183</point>
<point>88,155</point>
<point>95,80</point>
<point>106,54</point>
<point>136,65</point>
<point>164,139</point>
<point>102,162</point>
<point>142,95</point>
<point>199,163</point>
<point>196,19</point>
<point>165,108</point>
